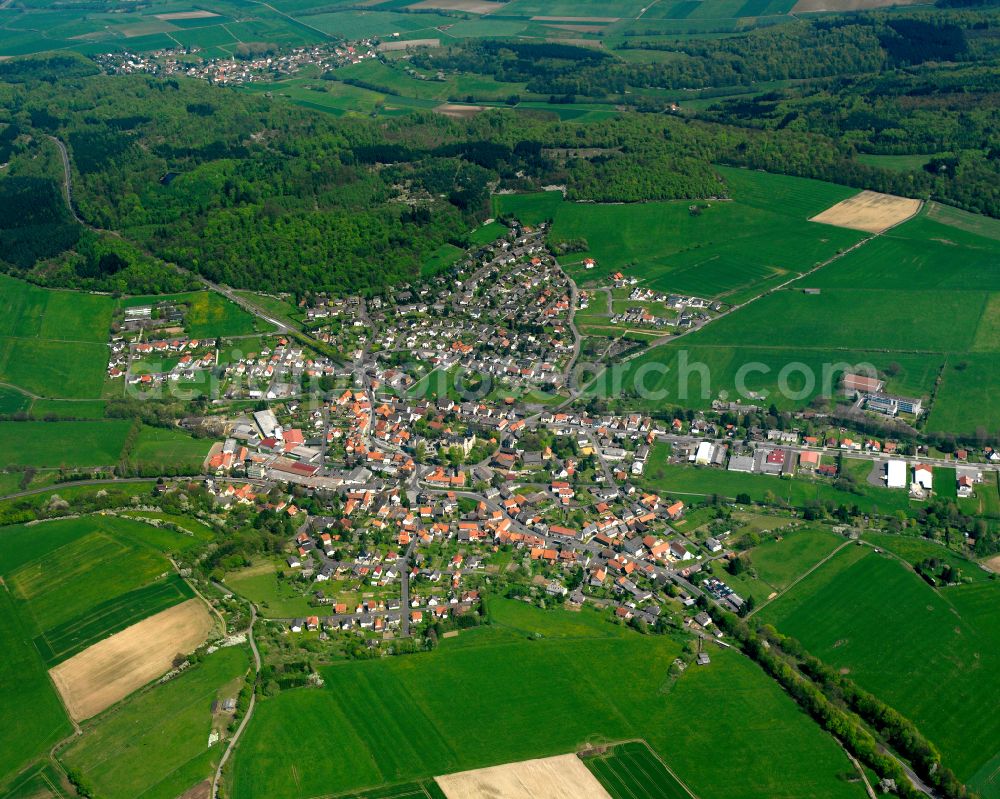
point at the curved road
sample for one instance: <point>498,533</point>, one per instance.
<point>67,180</point>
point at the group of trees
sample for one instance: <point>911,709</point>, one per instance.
<point>845,711</point>
<point>247,190</point>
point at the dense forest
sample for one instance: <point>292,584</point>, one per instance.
<point>255,192</point>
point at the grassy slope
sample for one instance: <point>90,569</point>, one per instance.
<point>932,654</point>
<point>33,717</point>
<point>53,343</point>
<point>71,444</point>
<point>779,562</point>
<point>154,746</point>
<point>171,448</point>
<point>68,574</point>
<point>492,696</point>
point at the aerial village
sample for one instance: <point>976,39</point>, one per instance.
<point>442,471</point>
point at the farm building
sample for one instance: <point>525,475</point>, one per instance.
<point>703,456</point>
<point>741,463</point>
<point>862,383</point>
<point>923,476</point>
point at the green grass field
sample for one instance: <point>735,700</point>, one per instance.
<point>779,562</point>
<point>67,409</point>
<point>65,582</point>
<point>967,400</point>
<point>156,744</point>
<point>582,680</point>
<point>33,717</point>
<point>760,237</point>
<point>915,549</point>
<point>933,655</point>
<point>107,618</point>
<point>209,315</point>
<point>854,321</point>
<point>920,254</point>
<point>681,480</point>
<point>78,580</point>
<point>69,444</point>
<point>275,597</point>
<point>171,450</point>
<point>633,771</point>
<point>895,163</point>
<point>53,343</point>
<point>529,209</point>
<point>13,401</point>
<point>41,781</point>
<point>692,374</point>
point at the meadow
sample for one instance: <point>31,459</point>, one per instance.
<point>77,581</point>
<point>854,320</point>
<point>68,580</point>
<point>692,374</point>
<point>13,401</point>
<point>683,481</point>
<point>33,716</point>
<point>966,400</point>
<point>68,444</point>
<point>42,781</point>
<point>932,654</point>
<point>155,744</point>
<point>208,314</point>
<point>67,409</point>
<point>276,598</point>
<point>110,617</point>
<point>529,209</point>
<point>170,450</point>
<point>780,561</point>
<point>731,249</point>
<point>930,253</point>
<point>53,343</point>
<point>402,719</point>
<point>915,549</point>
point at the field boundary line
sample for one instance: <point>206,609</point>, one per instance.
<point>652,751</point>
<point>798,579</point>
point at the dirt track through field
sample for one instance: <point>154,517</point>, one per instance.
<point>113,668</point>
<point>561,777</point>
<point>869,211</point>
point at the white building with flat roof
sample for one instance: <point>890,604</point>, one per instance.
<point>895,474</point>
<point>703,457</point>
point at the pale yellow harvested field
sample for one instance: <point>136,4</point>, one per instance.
<point>851,5</point>
<point>561,777</point>
<point>467,6</point>
<point>869,211</point>
<point>186,15</point>
<point>113,668</point>
<point>458,111</point>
